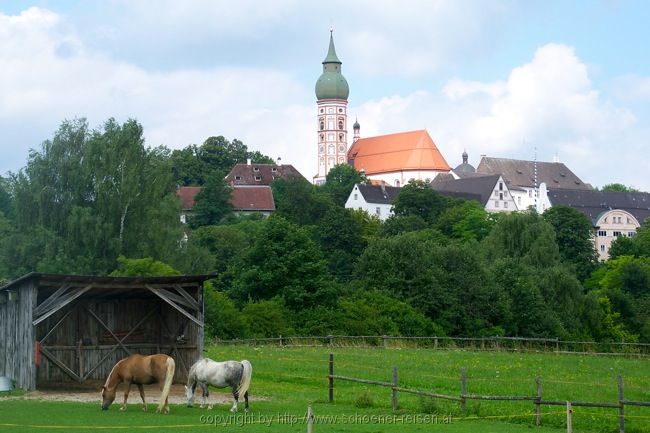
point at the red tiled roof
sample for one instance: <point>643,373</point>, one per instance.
<point>257,198</point>
<point>413,150</point>
<point>187,194</point>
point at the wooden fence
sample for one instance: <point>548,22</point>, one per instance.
<point>496,343</point>
<point>463,396</point>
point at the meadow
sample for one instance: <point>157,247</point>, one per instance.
<point>290,379</point>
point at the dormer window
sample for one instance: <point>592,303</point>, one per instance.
<point>274,169</point>
<point>237,177</point>
<point>258,178</point>
<point>256,169</point>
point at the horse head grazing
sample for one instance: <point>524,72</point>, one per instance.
<point>189,392</point>
<point>107,397</point>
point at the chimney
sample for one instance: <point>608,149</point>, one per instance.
<point>248,161</point>
<point>383,188</point>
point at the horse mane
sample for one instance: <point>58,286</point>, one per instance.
<point>110,375</point>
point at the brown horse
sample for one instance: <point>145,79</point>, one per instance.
<point>141,370</point>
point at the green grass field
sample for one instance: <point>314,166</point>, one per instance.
<point>290,379</point>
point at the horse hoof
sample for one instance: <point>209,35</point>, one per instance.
<point>210,407</point>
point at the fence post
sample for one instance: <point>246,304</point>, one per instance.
<point>310,420</point>
<point>331,379</point>
<point>435,342</point>
<point>280,340</point>
<point>557,344</point>
<point>385,338</point>
<point>621,405</point>
<point>329,339</point>
<point>569,418</point>
<point>393,399</point>
<point>538,402</point>
<point>463,388</point>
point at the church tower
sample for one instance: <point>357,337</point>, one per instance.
<point>332,121</point>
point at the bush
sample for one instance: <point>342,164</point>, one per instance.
<point>269,318</point>
<point>222,319</point>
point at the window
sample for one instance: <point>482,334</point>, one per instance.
<point>258,178</point>
<point>500,196</point>
<point>496,203</point>
<point>602,233</point>
<point>237,177</point>
<point>340,125</point>
<point>631,234</point>
<point>356,196</point>
<point>322,125</point>
<point>605,220</point>
<point>342,148</point>
<point>602,248</point>
<point>321,149</point>
<point>274,169</point>
<point>322,160</point>
<point>322,111</point>
<point>496,193</point>
<point>256,169</point>
<point>519,200</point>
<point>500,186</point>
<point>505,205</point>
<point>378,210</point>
<point>340,110</point>
<point>616,234</point>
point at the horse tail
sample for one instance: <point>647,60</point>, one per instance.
<point>169,378</point>
<point>245,381</point>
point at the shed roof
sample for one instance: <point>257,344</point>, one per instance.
<point>44,279</point>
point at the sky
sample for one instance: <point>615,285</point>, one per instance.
<point>503,78</point>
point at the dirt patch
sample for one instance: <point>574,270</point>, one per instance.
<point>151,392</point>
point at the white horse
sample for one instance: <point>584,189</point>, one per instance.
<point>206,372</point>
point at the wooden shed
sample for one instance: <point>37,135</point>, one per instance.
<point>60,330</point>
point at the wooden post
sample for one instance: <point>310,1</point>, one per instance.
<point>329,339</point>
<point>538,406</point>
<point>393,399</point>
<point>280,340</point>
<point>621,405</point>
<point>385,338</point>
<point>435,342</point>
<point>463,388</point>
<point>310,420</point>
<point>331,379</point>
<point>557,344</point>
<point>569,418</point>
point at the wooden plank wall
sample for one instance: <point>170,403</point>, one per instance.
<point>120,316</point>
<point>17,337</point>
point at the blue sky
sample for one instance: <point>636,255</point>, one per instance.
<point>500,78</point>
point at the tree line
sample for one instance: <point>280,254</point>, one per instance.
<point>101,202</point>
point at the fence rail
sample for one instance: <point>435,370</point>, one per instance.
<point>463,396</point>
<point>496,343</point>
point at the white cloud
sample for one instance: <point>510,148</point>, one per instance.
<point>40,87</point>
<point>549,103</point>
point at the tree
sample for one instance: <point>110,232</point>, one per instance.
<point>145,267</point>
<point>212,203</point>
<point>299,201</point>
<point>465,220</point>
<point>573,233</point>
<point>194,164</point>
<point>618,187</point>
<point>638,245</point>
<point>89,196</point>
<point>419,199</point>
<point>283,262</point>
<point>6,202</point>
<point>340,236</point>
<point>340,180</point>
